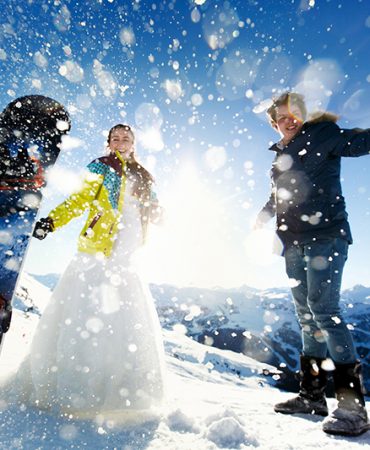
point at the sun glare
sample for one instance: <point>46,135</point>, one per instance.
<point>192,247</point>
<point>262,247</point>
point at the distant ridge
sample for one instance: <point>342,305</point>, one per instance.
<point>258,323</point>
<point>49,280</point>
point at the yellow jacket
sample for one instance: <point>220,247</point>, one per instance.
<point>103,194</point>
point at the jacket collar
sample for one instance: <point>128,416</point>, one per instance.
<point>279,146</point>
<point>116,162</point>
<point>118,156</point>
<point>317,117</point>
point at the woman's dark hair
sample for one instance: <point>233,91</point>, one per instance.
<point>289,99</point>
<point>142,179</point>
<point>118,127</point>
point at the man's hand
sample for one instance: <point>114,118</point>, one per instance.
<point>261,220</point>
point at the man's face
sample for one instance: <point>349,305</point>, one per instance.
<point>289,121</point>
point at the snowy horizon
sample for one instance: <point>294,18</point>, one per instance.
<point>265,287</point>
<point>257,323</point>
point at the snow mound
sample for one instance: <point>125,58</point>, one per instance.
<point>180,422</point>
<point>228,433</point>
<point>227,429</point>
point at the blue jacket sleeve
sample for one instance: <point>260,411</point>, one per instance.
<point>354,142</point>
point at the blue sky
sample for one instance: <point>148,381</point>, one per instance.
<point>193,78</point>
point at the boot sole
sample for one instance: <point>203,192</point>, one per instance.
<point>310,413</point>
<point>348,433</point>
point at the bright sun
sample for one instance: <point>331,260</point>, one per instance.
<point>196,244</point>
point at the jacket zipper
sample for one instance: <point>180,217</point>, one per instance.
<point>93,223</point>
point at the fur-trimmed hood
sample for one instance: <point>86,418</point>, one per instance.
<point>322,116</point>
<point>313,119</point>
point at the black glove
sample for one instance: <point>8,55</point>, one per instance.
<point>43,227</point>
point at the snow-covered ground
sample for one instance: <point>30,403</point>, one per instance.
<point>215,399</point>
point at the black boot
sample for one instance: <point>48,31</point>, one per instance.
<point>350,417</point>
<point>311,398</point>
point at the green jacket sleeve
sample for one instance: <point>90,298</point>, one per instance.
<point>78,202</point>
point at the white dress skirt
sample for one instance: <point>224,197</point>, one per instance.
<point>98,347</point>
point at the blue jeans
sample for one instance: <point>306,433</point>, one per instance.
<point>316,273</point>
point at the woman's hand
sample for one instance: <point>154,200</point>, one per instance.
<point>156,214</point>
<point>43,227</point>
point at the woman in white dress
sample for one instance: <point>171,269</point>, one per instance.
<point>98,347</point>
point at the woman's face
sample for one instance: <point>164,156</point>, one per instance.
<point>122,141</point>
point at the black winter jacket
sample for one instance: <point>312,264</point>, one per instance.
<point>306,193</point>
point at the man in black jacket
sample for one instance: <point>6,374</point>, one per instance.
<point>312,224</point>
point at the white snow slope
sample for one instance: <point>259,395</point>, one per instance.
<point>208,406</point>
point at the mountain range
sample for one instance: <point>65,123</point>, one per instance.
<point>259,324</point>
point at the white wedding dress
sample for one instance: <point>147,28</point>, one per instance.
<point>98,347</point>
